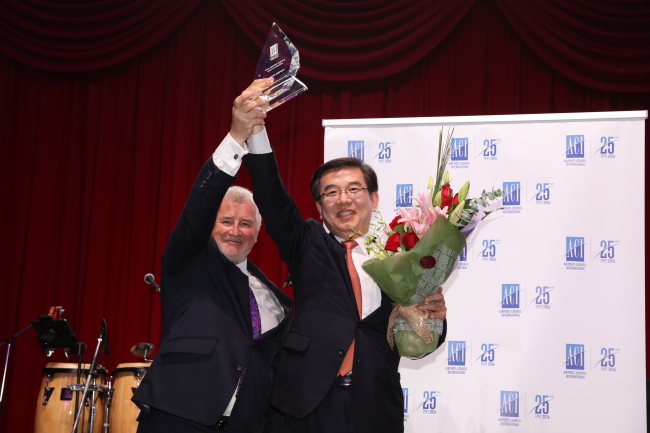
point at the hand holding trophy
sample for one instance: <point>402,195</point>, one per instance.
<point>280,60</point>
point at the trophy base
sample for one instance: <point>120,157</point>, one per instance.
<point>280,92</point>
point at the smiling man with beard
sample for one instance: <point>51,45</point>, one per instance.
<point>223,321</point>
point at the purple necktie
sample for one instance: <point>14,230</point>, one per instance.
<point>256,322</point>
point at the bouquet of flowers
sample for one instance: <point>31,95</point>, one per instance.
<point>418,251</point>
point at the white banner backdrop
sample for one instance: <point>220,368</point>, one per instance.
<point>546,309</point>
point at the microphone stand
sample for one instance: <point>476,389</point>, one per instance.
<point>100,339</point>
<point>8,341</point>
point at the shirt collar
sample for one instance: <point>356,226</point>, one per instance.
<point>243,266</point>
<point>360,248</point>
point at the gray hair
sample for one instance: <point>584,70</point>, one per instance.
<point>239,194</point>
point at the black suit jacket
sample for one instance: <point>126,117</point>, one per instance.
<point>326,318</point>
<point>206,325</point>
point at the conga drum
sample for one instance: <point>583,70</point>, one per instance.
<point>55,408</point>
<point>123,413</point>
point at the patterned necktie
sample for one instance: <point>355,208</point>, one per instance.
<point>346,366</point>
<point>256,322</point>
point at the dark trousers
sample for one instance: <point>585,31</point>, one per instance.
<point>332,415</point>
<point>157,421</point>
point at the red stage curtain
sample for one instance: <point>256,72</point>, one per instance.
<point>81,36</point>
<point>95,166</point>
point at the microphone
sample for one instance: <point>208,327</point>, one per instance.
<point>107,347</point>
<point>150,279</point>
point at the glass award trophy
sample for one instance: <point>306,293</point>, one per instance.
<point>280,60</point>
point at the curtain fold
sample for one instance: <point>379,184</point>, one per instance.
<point>602,44</point>
<point>82,36</point>
<point>348,41</point>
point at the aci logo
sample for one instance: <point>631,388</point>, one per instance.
<point>463,254</point>
<point>404,194</point>
<point>489,152</point>
<point>608,359</point>
<point>273,51</point>
<point>543,193</point>
<point>510,295</point>
<point>511,193</point>
<point>575,357</point>
<point>489,251</point>
<point>607,147</point>
<point>462,259</point>
<point>575,146</point>
<point>542,407</point>
<point>575,249</point>
<point>542,299</point>
<point>355,149</point>
<point>456,353</point>
<point>487,354</point>
<point>509,404</point>
<point>459,149</point>
<point>385,152</point>
<point>607,253</point>
<point>430,403</point>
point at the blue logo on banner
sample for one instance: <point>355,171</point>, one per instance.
<point>487,354</point>
<point>510,295</point>
<point>542,408</point>
<point>608,360</point>
<point>355,149</point>
<point>459,149</point>
<point>456,352</point>
<point>489,251</point>
<point>430,402</point>
<point>404,194</point>
<point>463,254</point>
<point>509,404</point>
<point>405,393</point>
<point>385,151</point>
<point>575,356</point>
<point>543,193</point>
<point>575,146</point>
<point>543,298</point>
<point>607,253</point>
<point>511,193</point>
<point>575,249</point>
<point>490,148</point>
<point>607,147</point>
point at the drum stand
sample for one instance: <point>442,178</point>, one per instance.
<point>102,338</point>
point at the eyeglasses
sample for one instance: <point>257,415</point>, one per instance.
<point>333,194</point>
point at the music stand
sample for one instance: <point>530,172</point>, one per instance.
<point>54,334</point>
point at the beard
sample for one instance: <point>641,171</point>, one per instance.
<point>235,257</point>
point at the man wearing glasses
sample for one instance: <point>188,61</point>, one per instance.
<point>318,387</point>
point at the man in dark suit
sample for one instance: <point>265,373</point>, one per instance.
<point>336,372</point>
<point>223,320</point>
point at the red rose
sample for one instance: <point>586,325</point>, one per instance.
<point>394,222</point>
<point>410,239</point>
<point>392,244</point>
<point>447,200</point>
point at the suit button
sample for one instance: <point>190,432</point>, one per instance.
<point>359,325</point>
<point>253,343</point>
<point>240,367</point>
<point>342,352</point>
